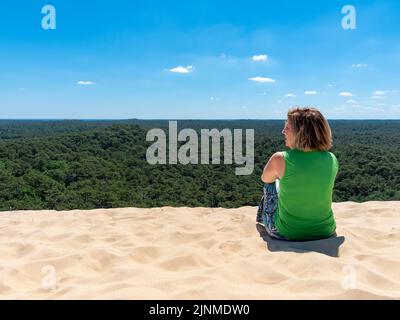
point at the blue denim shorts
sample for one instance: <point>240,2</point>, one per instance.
<point>267,209</point>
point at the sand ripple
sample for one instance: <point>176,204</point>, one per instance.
<point>195,253</point>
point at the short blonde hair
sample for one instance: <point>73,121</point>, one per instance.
<point>311,129</point>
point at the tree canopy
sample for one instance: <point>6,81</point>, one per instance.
<point>92,164</point>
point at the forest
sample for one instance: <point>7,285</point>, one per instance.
<point>86,164</point>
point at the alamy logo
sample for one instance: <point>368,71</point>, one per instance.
<point>349,281</point>
<point>188,153</point>
<point>349,20</point>
<point>50,277</point>
<point>49,20</point>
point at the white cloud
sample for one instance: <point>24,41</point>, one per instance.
<point>330,85</point>
<point>351,101</point>
<point>181,69</point>
<point>260,57</point>
<point>310,92</point>
<point>279,101</point>
<point>378,93</point>
<point>86,83</point>
<point>290,95</point>
<point>225,56</point>
<point>395,91</point>
<point>261,79</point>
<point>359,65</point>
<point>374,109</point>
<point>346,94</point>
<point>378,97</point>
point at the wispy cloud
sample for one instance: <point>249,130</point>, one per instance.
<point>330,85</point>
<point>310,92</point>
<point>376,97</point>
<point>261,79</point>
<point>359,65</point>
<point>260,57</point>
<point>181,69</point>
<point>346,94</point>
<point>351,101</point>
<point>86,83</point>
<point>379,94</point>
<point>374,109</point>
<point>225,56</point>
<point>290,95</point>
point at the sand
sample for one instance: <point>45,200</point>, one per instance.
<point>196,253</point>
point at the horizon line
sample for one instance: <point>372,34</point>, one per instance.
<point>180,119</point>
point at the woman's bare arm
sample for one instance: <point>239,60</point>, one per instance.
<point>270,172</point>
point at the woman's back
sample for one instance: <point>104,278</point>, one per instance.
<point>305,195</point>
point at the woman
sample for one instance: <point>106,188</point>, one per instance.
<point>300,209</point>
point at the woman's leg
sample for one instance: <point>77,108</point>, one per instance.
<point>259,217</point>
<point>268,202</point>
<point>267,209</point>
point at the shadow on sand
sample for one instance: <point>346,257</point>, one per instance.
<point>329,246</point>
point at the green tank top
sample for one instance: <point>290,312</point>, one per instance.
<point>305,195</point>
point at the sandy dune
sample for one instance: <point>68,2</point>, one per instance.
<point>195,253</point>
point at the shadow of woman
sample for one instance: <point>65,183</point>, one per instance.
<point>328,246</point>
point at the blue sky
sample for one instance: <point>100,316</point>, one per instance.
<point>199,59</point>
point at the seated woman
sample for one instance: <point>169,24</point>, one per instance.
<point>300,208</point>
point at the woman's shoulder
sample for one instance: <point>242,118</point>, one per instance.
<point>330,154</point>
<point>280,163</point>
<point>280,155</point>
<point>278,159</point>
<point>330,158</point>
<point>335,160</point>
